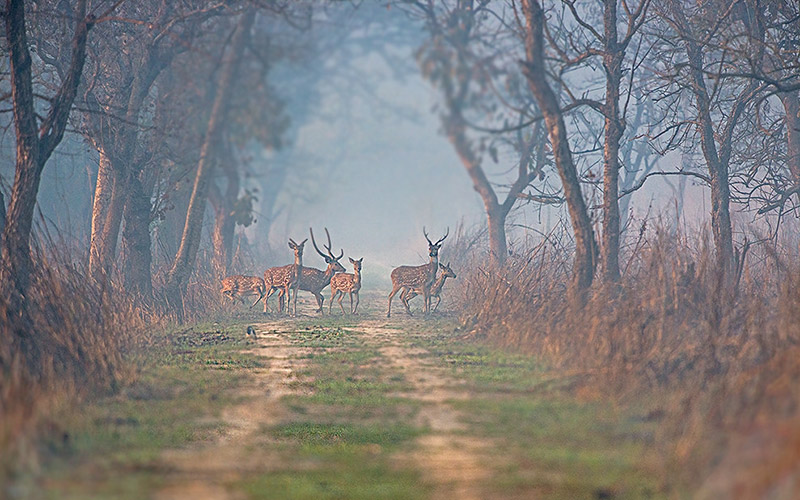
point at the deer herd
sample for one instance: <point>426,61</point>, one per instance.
<point>290,279</point>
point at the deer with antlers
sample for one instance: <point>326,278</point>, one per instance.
<point>238,286</point>
<point>342,283</point>
<point>417,277</point>
<point>285,278</point>
<point>436,289</point>
<point>314,280</point>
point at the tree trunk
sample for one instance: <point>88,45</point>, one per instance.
<point>103,190</point>
<point>497,235</point>
<point>2,213</point>
<point>34,145</point>
<point>106,244</point>
<point>791,104</point>
<point>224,205</point>
<point>717,166</point>
<point>583,272</point>
<point>612,61</point>
<point>178,276</point>
<point>495,213</point>
<point>137,276</point>
<point>125,185</point>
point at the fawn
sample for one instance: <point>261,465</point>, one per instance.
<point>342,283</point>
<point>417,277</point>
<point>436,289</point>
<point>285,278</point>
<point>314,280</point>
<point>239,285</point>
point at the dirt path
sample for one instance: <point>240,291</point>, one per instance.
<point>448,459</point>
<point>201,472</point>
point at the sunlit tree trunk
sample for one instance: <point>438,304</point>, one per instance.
<point>535,71</point>
<point>103,190</point>
<point>178,276</point>
<point>224,223</point>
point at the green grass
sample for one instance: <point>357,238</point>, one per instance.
<point>553,443</point>
<point>107,448</point>
<point>315,436</point>
<point>358,481</point>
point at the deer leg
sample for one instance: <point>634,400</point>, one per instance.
<point>404,298</point>
<point>438,301</point>
<point>395,288</point>
<point>282,300</point>
<point>330,304</point>
<point>266,299</point>
<point>341,296</point>
<point>260,296</point>
<point>320,300</point>
<point>296,289</point>
<point>355,309</point>
<point>426,294</point>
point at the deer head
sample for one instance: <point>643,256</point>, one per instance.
<point>446,271</point>
<point>433,248</point>
<point>356,264</point>
<point>330,259</point>
<point>298,248</point>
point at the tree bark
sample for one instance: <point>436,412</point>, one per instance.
<point>103,190</point>
<point>791,104</point>
<point>178,276</point>
<point>137,276</point>
<point>498,245</point>
<point>612,61</point>
<point>224,223</point>
<point>534,69</point>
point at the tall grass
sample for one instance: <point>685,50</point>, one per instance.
<point>73,347</point>
<point>711,360</point>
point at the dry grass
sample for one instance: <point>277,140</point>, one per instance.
<point>74,347</point>
<point>718,365</point>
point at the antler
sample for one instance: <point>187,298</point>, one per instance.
<point>426,235</point>
<point>328,248</point>
<point>445,236</point>
<point>314,242</point>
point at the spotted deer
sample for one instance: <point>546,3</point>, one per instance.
<point>239,285</point>
<point>417,277</point>
<point>314,280</point>
<point>342,283</point>
<point>436,289</point>
<point>285,278</point>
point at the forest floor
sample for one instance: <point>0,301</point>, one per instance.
<point>345,407</point>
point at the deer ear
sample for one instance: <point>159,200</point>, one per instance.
<point>291,246</point>
<point>442,265</point>
<point>351,260</point>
